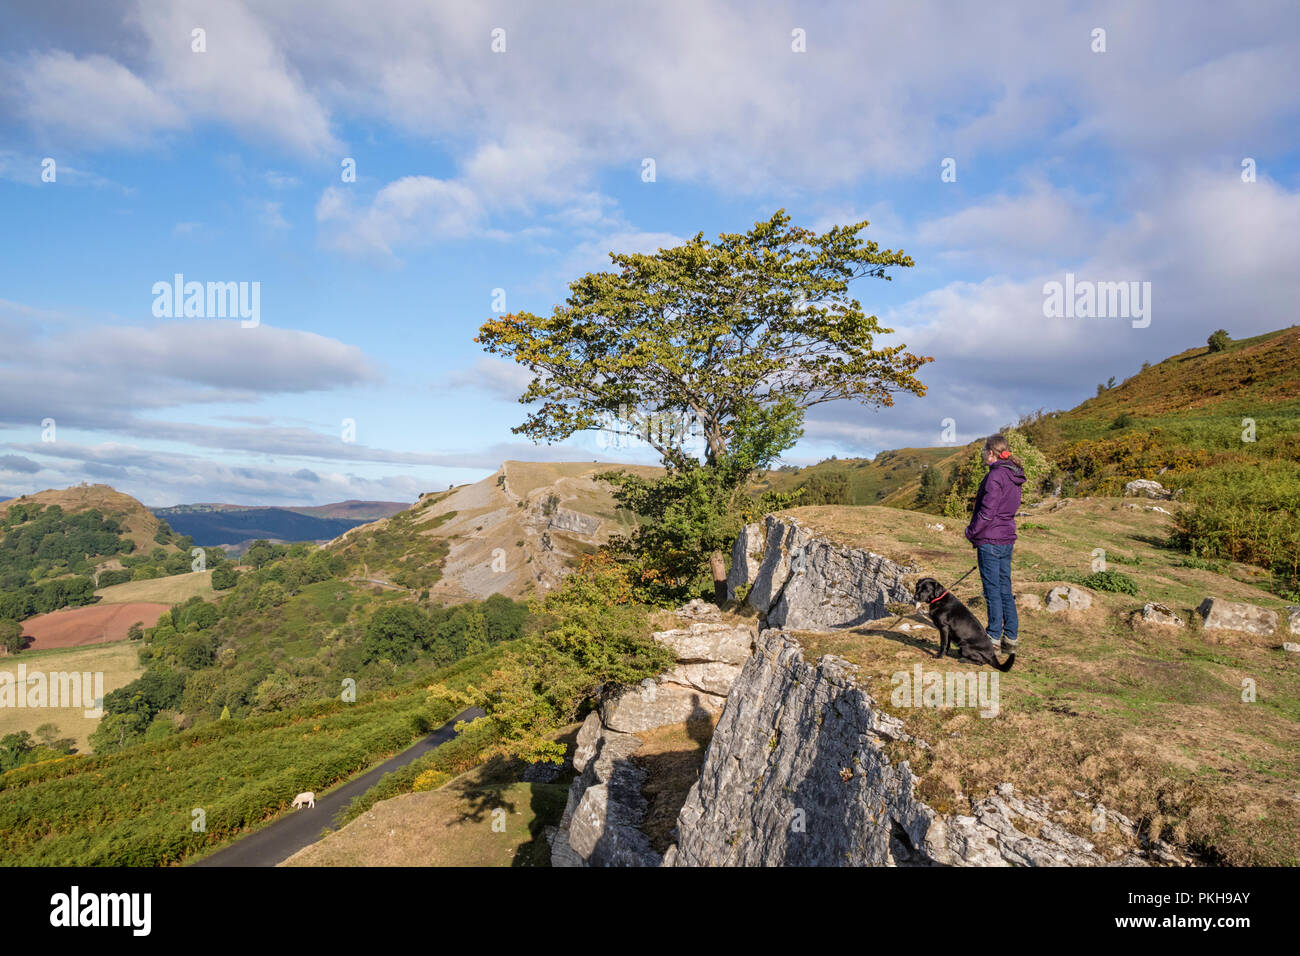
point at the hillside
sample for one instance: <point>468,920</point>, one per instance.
<point>1114,740</point>
<point>864,481</point>
<point>58,546</point>
<point>1180,415</point>
<point>513,533</point>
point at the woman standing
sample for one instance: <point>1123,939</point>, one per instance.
<point>992,530</point>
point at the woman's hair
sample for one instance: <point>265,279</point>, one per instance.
<point>998,445</point>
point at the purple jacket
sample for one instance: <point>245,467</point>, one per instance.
<point>996,504</point>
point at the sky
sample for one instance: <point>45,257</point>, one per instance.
<point>499,152</point>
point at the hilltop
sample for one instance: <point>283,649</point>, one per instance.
<point>515,533</point>
<point>138,522</point>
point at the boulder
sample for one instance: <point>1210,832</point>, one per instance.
<point>1063,597</point>
<point>699,609</point>
<point>806,582</point>
<point>710,641</point>
<point>1028,602</point>
<point>1221,615</point>
<point>1293,616</point>
<point>653,704</point>
<point>746,558</point>
<point>1291,647</point>
<point>1145,487</point>
<point>1160,614</point>
<point>712,677</point>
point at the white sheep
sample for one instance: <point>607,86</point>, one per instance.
<point>306,798</point>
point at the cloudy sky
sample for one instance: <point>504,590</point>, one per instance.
<point>128,156</point>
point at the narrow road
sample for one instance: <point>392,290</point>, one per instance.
<point>300,828</point>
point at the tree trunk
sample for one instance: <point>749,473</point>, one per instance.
<point>719,568</point>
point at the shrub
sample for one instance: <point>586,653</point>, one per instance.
<point>1115,581</point>
<point>1218,340</point>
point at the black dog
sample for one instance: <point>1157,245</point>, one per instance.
<point>957,624</point>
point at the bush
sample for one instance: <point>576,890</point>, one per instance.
<point>589,640</point>
<point>224,577</point>
<point>110,577</point>
<point>1114,581</point>
<point>1218,340</point>
<point>396,632</point>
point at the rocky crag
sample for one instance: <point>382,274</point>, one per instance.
<point>797,771</point>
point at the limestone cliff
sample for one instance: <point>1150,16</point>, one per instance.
<point>797,775</point>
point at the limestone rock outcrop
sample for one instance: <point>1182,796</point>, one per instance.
<point>797,775</point>
<point>805,582</point>
<point>601,821</point>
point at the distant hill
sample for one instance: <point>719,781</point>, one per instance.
<point>217,524</point>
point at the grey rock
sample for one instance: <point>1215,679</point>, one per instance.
<point>1293,616</point>
<point>699,609</point>
<point>1028,602</point>
<point>710,641</point>
<point>805,582</point>
<point>1066,598</point>
<point>746,557</point>
<point>1161,614</point>
<point>1291,647</point>
<point>574,522</point>
<point>712,677</point>
<point>653,704</point>
<point>1145,487</point>
<point>1222,615</point>
<point>796,775</point>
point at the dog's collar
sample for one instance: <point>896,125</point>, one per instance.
<point>940,597</point>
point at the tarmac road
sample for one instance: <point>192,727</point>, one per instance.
<point>300,828</point>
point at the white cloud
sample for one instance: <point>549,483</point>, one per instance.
<point>414,209</point>
<point>90,101</point>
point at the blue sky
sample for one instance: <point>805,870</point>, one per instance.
<point>520,170</point>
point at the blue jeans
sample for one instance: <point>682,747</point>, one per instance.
<point>995,572</point>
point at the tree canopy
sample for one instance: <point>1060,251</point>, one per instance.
<point>696,334</point>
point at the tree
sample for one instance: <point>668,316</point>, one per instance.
<point>11,636</point>
<point>828,488</point>
<point>395,631</point>
<point>48,734</point>
<point>689,341</point>
<point>224,577</point>
<point>1218,340</point>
